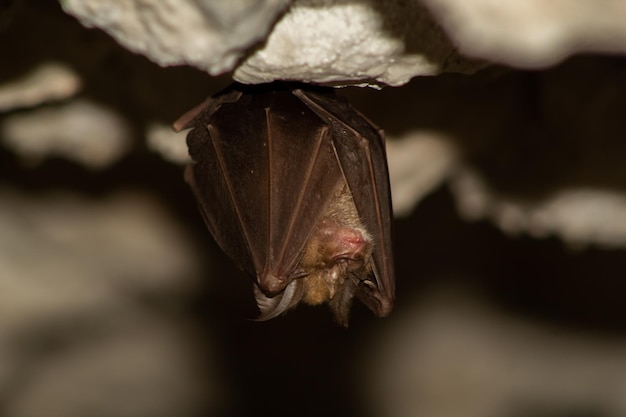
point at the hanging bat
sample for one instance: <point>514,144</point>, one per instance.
<point>292,183</point>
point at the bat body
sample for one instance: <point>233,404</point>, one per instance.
<point>292,183</point>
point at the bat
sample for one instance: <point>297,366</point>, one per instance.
<point>293,185</point>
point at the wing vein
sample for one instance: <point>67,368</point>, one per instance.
<point>382,249</point>
<point>231,193</point>
<point>379,215</point>
<point>270,177</point>
<point>303,190</point>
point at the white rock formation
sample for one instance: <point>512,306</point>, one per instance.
<point>82,131</point>
<point>419,163</point>
<point>355,42</point>
<point>532,33</point>
<point>170,145</point>
<point>321,41</point>
<point>452,355</point>
<point>212,35</point>
<point>345,42</point>
<point>580,217</point>
<point>76,335</point>
<point>49,82</point>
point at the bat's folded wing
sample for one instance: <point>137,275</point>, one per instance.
<point>262,173</point>
<point>360,150</point>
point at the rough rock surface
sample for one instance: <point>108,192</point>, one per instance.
<point>321,41</point>
<point>352,42</point>
<point>212,35</point>
<point>347,42</point>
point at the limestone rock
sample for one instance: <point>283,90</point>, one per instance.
<point>77,336</point>
<point>453,355</point>
<point>532,33</point>
<point>49,82</point>
<point>212,35</point>
<point>80,130</point>
<point>321,41</point>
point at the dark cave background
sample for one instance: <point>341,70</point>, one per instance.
<point>303,364</point>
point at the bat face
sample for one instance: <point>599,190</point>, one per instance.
<point>293,185</point>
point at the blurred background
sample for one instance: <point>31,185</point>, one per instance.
<point>509,188</point>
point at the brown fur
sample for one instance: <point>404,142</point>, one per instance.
<point>336,255</point>
<point>340,234</point>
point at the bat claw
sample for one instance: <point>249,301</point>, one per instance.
<point>369,295</point>
<point>369,284</point>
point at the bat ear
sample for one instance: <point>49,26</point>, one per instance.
<point>271,307</point>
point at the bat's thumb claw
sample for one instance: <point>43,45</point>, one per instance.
<point>380,305</point>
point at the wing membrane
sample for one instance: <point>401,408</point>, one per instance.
<point>276,174</point>
<point>360,150</point>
